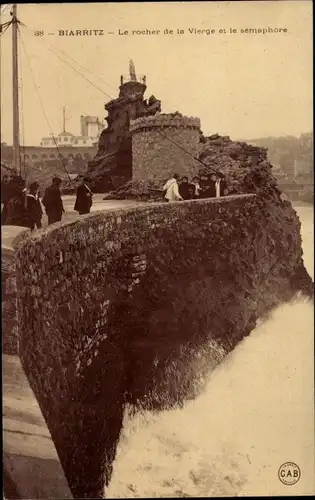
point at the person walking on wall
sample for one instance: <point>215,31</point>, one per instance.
<point>223,185</point>
<point>217,187</point>
<point>8,190</point>
<point>210,190</point>
<point>17,213</point>
<point>83,201</point>
<point>186,189</point>
<point>34,208</point>
<point>5,196</point>
<point>52,201</point>
<point>171,189</point>
<point>197,187</point>
<point>220,185</point>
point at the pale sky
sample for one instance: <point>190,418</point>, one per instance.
<point>241,85</point>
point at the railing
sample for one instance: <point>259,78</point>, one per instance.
<point>128,78</point>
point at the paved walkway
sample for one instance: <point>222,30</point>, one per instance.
<point>98,204</point>
<point>31,465</point>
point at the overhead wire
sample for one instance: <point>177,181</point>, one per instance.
<point>162,134</point>
<point>54,54</point>
<point>79,73</point>
<point>83,67</point>
<point>5,26</point>
<point>89,71</point>
<point>76,62</point>
<point>75,70</point>
<point>53,49</point>
<point>5,8</point>
<point>42,106</point>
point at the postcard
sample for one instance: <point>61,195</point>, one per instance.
<point>157,199</point>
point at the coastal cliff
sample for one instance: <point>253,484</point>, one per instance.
<point>115,306</point>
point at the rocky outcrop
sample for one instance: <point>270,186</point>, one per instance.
<point>112,165</point>
<point>245,167</point>
<point>115,306</point>
<point>137,190</point>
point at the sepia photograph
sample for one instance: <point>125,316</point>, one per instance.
<point>157,249</point>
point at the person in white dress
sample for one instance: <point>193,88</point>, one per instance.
<point>218,188</point>
<point>197,186</point>
<point>171,189</point>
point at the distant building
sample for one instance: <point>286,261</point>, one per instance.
<point>91,128</point>
<point>72,151</point>
<point>65,139</point>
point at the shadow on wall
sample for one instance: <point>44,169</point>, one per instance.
<point>113,301</point>
<point>30,462</point>
<point>31,468</point>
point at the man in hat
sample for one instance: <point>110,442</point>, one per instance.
<point>221,185</point>
<point>83,201</point>
<point>186,189</point>
<point>34,207</point>
<point>5,196</point>
<point>17,214</point>
<point>208,185</point>
<point>52,201</point>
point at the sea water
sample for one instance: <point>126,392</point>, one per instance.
<point>255,413</point>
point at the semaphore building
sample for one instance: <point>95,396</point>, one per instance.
<point>66,146</point>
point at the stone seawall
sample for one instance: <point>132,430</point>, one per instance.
<point>160,144</point>
<point>10,236</point>
<point>9,309</point>
<point>110,301</point>
<point>162,120</point>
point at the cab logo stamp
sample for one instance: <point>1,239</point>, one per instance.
<point>289,473</point>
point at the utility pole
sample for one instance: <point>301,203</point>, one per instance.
<point>15,89</point>
<point>64,119</point>
<point>295,169</point>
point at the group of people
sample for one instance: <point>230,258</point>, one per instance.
<point>204,186</point>
<point>22,207</point>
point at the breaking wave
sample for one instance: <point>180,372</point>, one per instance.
<point>255,413</point>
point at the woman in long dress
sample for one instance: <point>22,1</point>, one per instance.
<point>83,201</point>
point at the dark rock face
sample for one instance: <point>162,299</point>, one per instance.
<point>114,305</point>
<point>245,167</point>
<point>137,190</point>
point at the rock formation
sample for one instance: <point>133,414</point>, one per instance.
<point>245,167</point>
<point>115,307</point>
<point>112,164</point>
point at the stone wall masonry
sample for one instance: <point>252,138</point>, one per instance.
<point>10,235</point>
<point>104,172</point>
<point>9,306</point>
<point>161,145</point>
<point>108,301</point>
<point>161,120</point>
